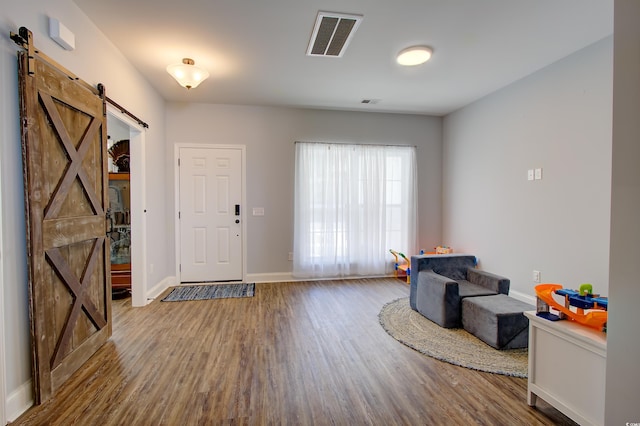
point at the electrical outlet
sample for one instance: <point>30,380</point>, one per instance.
<point>536,276</point>
<point>290,255</point>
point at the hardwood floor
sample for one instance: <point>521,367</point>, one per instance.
<point>310,353</point>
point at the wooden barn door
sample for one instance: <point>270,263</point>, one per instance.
<point>64,148</point>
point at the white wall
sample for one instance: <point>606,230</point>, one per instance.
<point>557,119</point>
<point>623,338</point>
<point>94,60</point>
<point>269,134</point>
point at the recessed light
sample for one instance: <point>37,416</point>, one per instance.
<point>414,55</point>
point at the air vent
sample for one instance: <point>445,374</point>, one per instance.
<point>370,101</point>
<point>332,34</point>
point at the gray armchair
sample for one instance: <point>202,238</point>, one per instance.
<point>440,282</point>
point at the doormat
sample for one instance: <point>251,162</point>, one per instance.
<point>213,291</point>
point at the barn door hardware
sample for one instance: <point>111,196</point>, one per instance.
<point>24,39</point>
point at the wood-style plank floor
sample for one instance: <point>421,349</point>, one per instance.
<point>307,353</point>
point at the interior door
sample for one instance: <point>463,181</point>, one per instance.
<point>210,192</point>
<point>65,175</point>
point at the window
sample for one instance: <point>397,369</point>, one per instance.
<point>352,204</point>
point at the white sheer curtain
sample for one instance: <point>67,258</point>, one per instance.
<point>352,204</point>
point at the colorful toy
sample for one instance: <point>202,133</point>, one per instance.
<point>583,299</point>
<point>444,250</point>
<point>402,265</point>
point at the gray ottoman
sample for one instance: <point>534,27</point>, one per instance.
<point>497,320</point>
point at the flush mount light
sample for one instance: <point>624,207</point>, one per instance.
<point>187,74</point>
<point>414,55</point>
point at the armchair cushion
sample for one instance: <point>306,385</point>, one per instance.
<point>469,289</point>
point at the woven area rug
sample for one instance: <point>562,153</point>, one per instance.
<point>214,291</point>
<point>454,346</point>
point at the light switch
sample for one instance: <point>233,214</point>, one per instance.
<point>258,211</point>
<point>538,174</point>
<point>530,174</point>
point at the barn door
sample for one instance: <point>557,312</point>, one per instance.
<point>64,148</point>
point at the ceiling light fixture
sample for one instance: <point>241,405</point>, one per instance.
<point>414,55</point>
<point>187,74</point>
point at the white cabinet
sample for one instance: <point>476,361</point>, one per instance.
<point>567,363</point>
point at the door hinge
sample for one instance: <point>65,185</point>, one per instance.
<point>178,162</point>
<point>178,215</point>
<point>180,267</point>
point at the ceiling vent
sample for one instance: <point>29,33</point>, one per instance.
<point>332,34</point>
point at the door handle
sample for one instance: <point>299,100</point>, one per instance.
<point>237,210</point>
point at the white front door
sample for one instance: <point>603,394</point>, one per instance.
<point>210,194</point>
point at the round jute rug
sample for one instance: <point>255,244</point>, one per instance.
<point>454,346</point>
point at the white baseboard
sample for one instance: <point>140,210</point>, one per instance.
<point>270,277</point>
<point>276,277</point>
<point>523,297</point>
<point>159,288</point>
<point>19,401</point>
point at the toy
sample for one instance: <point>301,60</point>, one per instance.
<point>402,267</point>
<point>581,300</point>
<point>444,250</point>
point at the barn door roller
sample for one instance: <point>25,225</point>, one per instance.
<point>24,39</point>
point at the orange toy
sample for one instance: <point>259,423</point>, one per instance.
<point>595,318</point>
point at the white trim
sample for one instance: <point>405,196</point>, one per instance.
<point>243,211</point>
<point>271,277</point>
<point>3,365</point>
<point>285,277</point>
<point>159,288</point>
<point>523,297</point>
<point>19,401</point>
<point>138,207</point>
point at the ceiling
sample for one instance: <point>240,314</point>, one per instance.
<point>255,50</point>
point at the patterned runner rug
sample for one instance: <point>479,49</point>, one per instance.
<point>212,291</point>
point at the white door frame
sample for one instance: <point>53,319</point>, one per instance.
<point>243,198</point>
<point>3,365</point>
<point>138,207</point>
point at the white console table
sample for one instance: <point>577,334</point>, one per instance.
<point>567,363</point>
